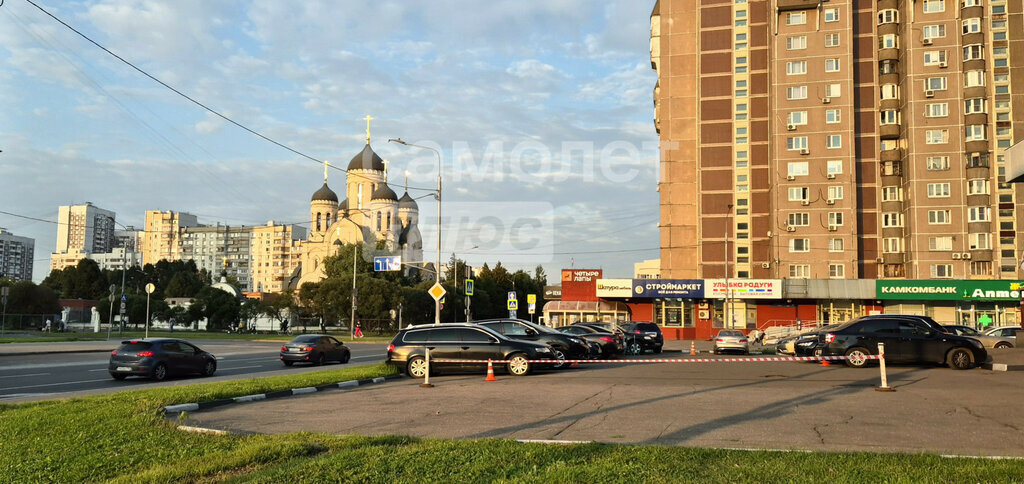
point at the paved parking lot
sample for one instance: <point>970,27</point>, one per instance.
<point>791,405</point>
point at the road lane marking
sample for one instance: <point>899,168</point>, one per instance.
<point>239,368</point>
<point>54,365</point>
<point>55,384</point>
<point>25,375</point>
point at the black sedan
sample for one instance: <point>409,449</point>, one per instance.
<point>158,358</point>
<point>314,348</point>
<point>906,340</point>
<point>610,343</point>
<point>565,346</point>
<point>459,342</point>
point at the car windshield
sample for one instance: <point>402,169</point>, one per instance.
<point>964,330</point>
<point>134,346</point>
<point>649,327</point>
<point>307,338</point>
<point>730,332</point>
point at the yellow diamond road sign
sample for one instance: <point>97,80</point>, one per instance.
<point>436,291</point>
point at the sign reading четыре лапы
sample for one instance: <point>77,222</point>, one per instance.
<point>950,290</point>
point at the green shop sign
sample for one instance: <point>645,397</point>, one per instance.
<point>950,290</point>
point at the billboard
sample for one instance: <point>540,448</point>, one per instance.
<point>614,287</point>
<point>580,284</point>
<point>668,288</point>
<point>744,288</point>
<point>932,290</point>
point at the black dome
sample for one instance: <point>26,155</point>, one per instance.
<point>366,160</point>
<point>407,202</point>
<point>326,194</point>
<point>383,192</point>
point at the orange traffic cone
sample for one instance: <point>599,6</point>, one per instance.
<point>490,372</point>
<point>693,348</point>
<point>825,363</point>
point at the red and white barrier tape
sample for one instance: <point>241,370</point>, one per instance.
<point>675,360</point>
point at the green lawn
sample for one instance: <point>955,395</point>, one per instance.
<point>120,438</point>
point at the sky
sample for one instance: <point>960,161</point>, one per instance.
<point>541,113</point>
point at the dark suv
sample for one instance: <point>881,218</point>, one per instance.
<point>461,341</point>
<point>642,336</point>
<point>565,346</point>
<point>906,339</point>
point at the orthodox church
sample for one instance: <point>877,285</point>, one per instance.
<point>370,212</point>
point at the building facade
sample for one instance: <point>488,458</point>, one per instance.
<point>838,139</point>
<point>16,256</point>
<point>82,230</point>
<point>273,255</point>
<point>161,235</point>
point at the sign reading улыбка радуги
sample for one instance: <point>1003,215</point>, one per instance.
<point>744,288</point>
<point>674,288</point>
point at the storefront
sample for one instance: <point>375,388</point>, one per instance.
<point>977,304</point>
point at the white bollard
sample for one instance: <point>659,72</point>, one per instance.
<point>426,377</point>
<point>881,365</point>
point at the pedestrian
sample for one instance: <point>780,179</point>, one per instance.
<point>284,326</point>
<point>46,327</point>
<point>760,338</point>
<point>754,335</point>
<point>323,328</point>
<point>359,330</point>
<point>172,325</point>
<point>62,325</point>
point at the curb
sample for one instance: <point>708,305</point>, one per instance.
<point>50,352</point>
<point>193,407</point>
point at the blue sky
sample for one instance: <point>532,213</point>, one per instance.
<point>532,104</point>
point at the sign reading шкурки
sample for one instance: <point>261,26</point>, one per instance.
<point>950,290</point>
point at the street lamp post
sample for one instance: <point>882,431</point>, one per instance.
<point>149,290</point>
<point>110,313</point>
<point>437,268</point>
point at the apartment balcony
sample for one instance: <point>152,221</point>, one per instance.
<point>976,146</point>
<point>976,118</point>
<point>891,155</point>
<point>893,270</point>
<point>982,200</point>
<point>889,131</point>
<point>894,258</point>
<point>981,255</point>
<point>979,227</point>
<point>784,5</point>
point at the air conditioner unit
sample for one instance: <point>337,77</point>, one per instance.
<point>790,127</point>
<point>805,202</point>
<point>826,100</point>
<point>830,202</point>
<point>929,93</point>
<point>831,176</point>
<point>943,64</point>
<point>790,177</point>
<point>790,229</point>
<point>956,256</point>
<point>833,228</point>
<point>967,256</point>
<point>926,41</point>
<point>805,151</point>
<point>704,314</point>
<point>766,265</point>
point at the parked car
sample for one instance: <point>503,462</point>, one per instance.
<point>610,344</point>
<point>642,336</point>
<point>607,327</point>
<point>987,340</point>
<point>565,346</point>
<point>463,341</point>
<point>806,343</point>
<point>787,345</point>
<point>923,319</point>
<point>1008,332</point>
<point>730,340</point>
<point>906,340</point>
<point>314,348</point>
<point>158,358</point>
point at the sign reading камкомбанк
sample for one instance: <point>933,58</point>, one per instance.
<point>950,290</point>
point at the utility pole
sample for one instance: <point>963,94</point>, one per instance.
<point>352,323</point>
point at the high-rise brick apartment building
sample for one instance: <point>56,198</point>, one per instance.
<point>838,139</point>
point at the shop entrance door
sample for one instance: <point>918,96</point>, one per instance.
<point>984,319</point>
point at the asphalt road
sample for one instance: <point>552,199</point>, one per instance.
<point>59,375</point>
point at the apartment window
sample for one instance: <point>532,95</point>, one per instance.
<point>796,43</point>
<point>892,194</point>
<point>938,190</point>
<point>936,110</point>
<point>936,136</point>
<point>974,52</point>
<point>796,92</point>
<point>975,132</point>
<point>980,241</point>
<point>831,40</point>
<point>796,143</point>
<point>890,116</point>
<point>933,31</point>
<point>835,218</point>
<point>832,90</point>
<point>797,168</point>
<point>836,245</point>
<point>935,84</point>
<point>977,160</point>
<point>831,14</point>
<point>834,141</point>
<point>797,117</point>
<point>892,219</point>
<point>938,217</point>
<point>887,66</point>
<point>836,271</point>
<point>892,245</point>
<point>797,194</point>
<point>888,16</point>
<point>979,214</point>
<point>972,25</point>
<point>796,67</point>
<point>974,78</point>
<point>834,167</point>
<point>972,3</point>
<point>934,57</point>
<point>934,6</point>
<point>799,245</point>
<point>832,116</point>
<point>942,271</point>
<point>835,192</point>
<point>798,219</point>
<point>937,163</point>
<point>799,271</point>
<point>974,105</point>
<point>943,244</point>
<point>831,65</point>
<point>796,18</point>
<point>741,22</point>
<point>998,9</point>
<point>888,41</point>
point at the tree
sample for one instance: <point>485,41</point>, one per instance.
<point>85,280</point>
<point>219,308</point>
<point>28,298</point>
<point>279,306</point>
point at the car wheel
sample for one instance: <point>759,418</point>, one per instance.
<point>1002,345</point>
<point>559,355</point>
<point>321,359</point>
<point>636,349</point>
<point>159,372</point>
<point>417,367</point>
<point>345,357</point>
<point>209,368</point>
<point>857,357</point>
<point>287,363</point>
<point>119,376</point>
<point>960,359</point>
<point>518,365</point>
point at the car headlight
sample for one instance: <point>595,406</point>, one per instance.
<point>577,341</point>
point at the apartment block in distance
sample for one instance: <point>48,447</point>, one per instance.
<point>16,256</point>
<point>838,139</point>
<point>274,255</point>
<point>81,230</point>
<point>161,235</point>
